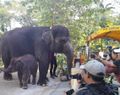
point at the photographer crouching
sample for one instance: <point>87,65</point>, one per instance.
<point>93,76</point>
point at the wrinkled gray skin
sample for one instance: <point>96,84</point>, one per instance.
<point>25,66</point>
<point>38,41</point>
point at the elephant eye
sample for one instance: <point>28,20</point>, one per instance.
<point>62,41</point>
<point>66,39</point>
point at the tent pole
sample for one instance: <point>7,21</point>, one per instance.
<point>87,50</point>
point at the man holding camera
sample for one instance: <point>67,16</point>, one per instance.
<point>93,75</point>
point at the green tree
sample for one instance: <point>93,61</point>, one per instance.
<point>82,17</point>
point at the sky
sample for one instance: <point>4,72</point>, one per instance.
<point>114,4</point>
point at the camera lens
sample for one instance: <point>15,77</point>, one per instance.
<point>105,55</point>
<point>76,76</point>
<point>70,92</point>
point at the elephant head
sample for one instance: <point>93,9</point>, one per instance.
<point>14,65</point>
<point>59,41</point>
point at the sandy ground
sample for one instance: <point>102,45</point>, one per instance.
<point>55,87</point>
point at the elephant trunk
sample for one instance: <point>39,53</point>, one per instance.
<point>68,51</point>
<point>8,70</point>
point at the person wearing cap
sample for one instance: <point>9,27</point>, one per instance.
<point>113,65</point>
<point>93,75</point>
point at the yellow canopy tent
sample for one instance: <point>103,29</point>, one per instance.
<point>109,32</point>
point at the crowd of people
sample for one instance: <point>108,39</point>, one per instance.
<point>94,72</point>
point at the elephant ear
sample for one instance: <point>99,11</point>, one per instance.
<point>48,37</point>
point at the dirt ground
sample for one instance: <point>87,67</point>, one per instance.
<point>55,87</point>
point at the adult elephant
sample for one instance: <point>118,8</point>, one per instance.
<point>38,41</point>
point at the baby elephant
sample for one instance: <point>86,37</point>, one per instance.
<point>25,66</point>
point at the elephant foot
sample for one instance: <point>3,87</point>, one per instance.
<point>25,87</point>
<point>8,76</point>
<point>21,85</point>
<point>43,84</point>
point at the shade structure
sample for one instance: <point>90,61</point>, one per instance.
<point>109,32</point>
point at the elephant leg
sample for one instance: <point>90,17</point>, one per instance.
<point>25,79</point>
<point>34,74</point>
<point>20,79</point>
<point>43,69</point>
<point>34,78</point>
<point>29,81</point>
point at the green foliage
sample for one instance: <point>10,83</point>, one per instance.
<point>62,64</point>
<point>82,17</point>
<point>61,61</point>
<point>4,18</point>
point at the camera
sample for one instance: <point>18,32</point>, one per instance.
<point>76,76</point>
<point>105,56</point>
<point>82,84</point>
<point>70,92</point>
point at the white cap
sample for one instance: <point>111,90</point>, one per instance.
<point>95,68</point>
<point>82,67</point>
<point>117,50</point>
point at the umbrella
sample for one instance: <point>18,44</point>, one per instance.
<point>109,32</point>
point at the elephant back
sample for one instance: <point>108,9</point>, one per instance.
<point>20,41</point>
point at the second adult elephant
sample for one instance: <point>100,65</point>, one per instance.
<point>38,41</point>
